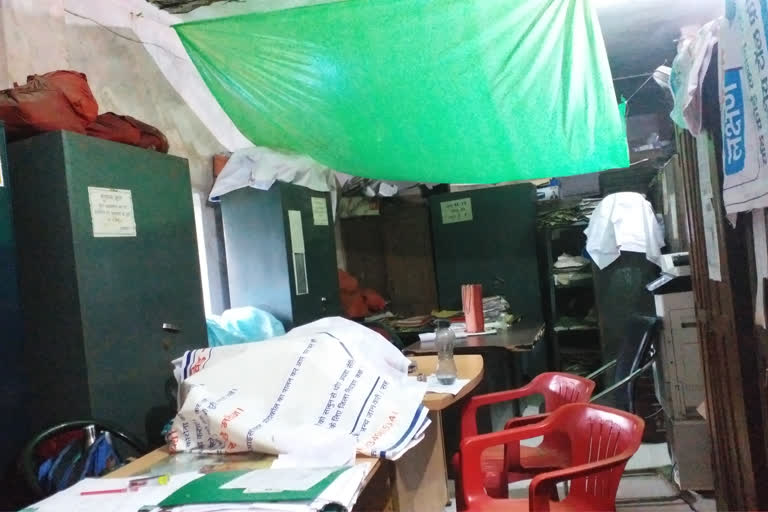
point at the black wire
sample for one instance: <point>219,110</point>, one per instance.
<point>127,38</point>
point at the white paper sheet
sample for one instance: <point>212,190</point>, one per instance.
<point>111,212</point>
<point>309,446</point>
<point>71,499</point>
<point>319,211</point>
<point>458,210</point>
<point>709,216</point>
<point>278,480</point>
<point>434,386</point>
<point>430,336</point>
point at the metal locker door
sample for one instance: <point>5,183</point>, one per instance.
<point>12,425</point>
<point>313,276</point>
<point>141,296</point>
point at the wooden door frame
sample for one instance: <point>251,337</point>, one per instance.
<point>734,376</point>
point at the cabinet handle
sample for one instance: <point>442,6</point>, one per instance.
<point>686,325</point>
<point>171,327</point>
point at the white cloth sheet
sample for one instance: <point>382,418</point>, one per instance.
<point>623,222</point>
<point>260,167</point>
<point>688,71</point>
<point>333,375</point>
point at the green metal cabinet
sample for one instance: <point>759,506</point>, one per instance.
<point>13,422</point>
<point>488,236</point>
<point>275,264</point>
<point>104,314</point>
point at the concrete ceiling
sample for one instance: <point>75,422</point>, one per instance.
<point>639,35</point>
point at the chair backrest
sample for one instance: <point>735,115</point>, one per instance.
<point>560,389</point>
<point>48,448</point>
<point>597,433</point>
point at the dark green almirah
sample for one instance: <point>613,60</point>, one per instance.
<point>109,275</point>
<point>13,421</point>
<point>488,236</point>
<point>281,252</point>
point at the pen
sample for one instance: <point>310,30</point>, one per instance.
<point>106,491</point>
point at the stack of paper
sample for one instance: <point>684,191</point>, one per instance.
<point>111,495</point>
<point>335,487</point>
<point>282,490</point>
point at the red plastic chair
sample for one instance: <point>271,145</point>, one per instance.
<point>502,466</point>
<point>601,441</point>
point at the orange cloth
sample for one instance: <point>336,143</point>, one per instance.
<point>358,303</point>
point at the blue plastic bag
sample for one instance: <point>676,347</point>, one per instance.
<point>242,325</point>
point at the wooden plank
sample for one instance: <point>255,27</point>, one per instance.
<point>724,331</point>
<point>421,478</point>
<point>141,465</point>
<point>411,282</point>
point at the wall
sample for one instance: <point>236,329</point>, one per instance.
<point>44,35</point>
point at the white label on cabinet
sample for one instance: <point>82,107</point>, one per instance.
<point>319,211</point>
<point>459,210</point>
<point>111,212</point>
<point>298,252</point>
<point>2,183</point>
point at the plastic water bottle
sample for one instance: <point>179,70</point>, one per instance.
<point>444,341</point>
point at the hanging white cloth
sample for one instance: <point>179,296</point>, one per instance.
<point>687,75</point>
<point>623,222</point>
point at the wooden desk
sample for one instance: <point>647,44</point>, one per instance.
<point>421,475</point>
<point>510,358</point>
<point>377,493</point>
<point>417,482</point>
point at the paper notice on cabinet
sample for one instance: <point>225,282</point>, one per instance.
<point>111,212</point>
<point>298,252</point>
<point>2,182</point>
<point>459,210</point>
<point>319,211</point>
<point>708,212</point>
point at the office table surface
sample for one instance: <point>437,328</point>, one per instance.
<point>516,338</point>
<point>144,465</point>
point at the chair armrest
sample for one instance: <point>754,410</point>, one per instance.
<point>539,490</point>
<point>469,414</point>
<point>512,450</point>
<point>471,450</point>
<point>524,420</point>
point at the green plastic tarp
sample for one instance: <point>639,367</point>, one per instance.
<point>451,91</point>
